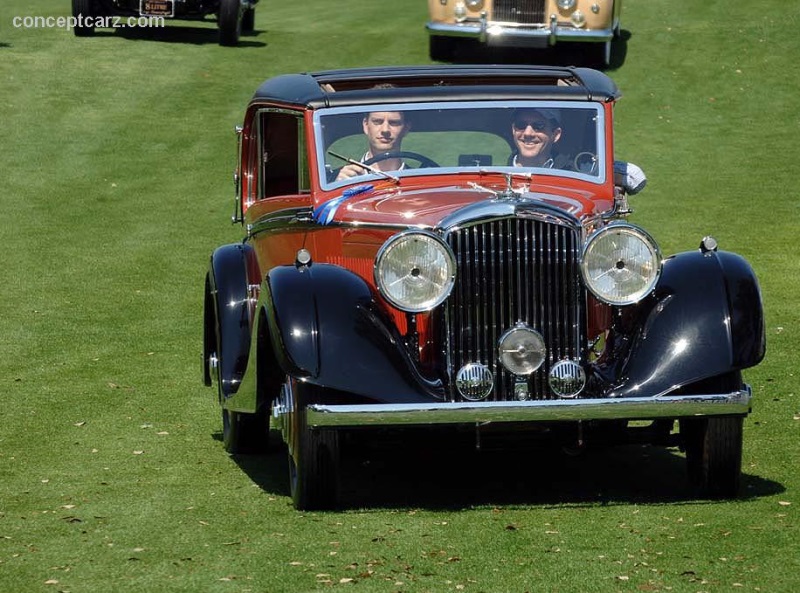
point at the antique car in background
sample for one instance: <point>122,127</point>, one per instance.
<point>525,24</point>
<point>455,281</point>
<point>233,16</point>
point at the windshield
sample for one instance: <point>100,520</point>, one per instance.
<point>537,137</point>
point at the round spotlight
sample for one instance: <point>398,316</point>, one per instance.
<point>521,350</point>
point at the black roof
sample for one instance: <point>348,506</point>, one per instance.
<point>357,86</point>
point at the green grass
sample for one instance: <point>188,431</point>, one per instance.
<point>115,185</point>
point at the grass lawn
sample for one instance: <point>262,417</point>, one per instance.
<point>115,185</point>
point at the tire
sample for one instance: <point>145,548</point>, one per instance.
<point>714,450</point>
<point>230,22</point>
<point>441,49</point>
<point>249,20</point>
<point>313,457</point>
<point>82,8</point>
<point>245,433</point>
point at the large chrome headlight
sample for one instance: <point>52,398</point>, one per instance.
<point>621,264</point>
<point>415,271</point>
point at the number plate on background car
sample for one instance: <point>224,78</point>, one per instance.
<point>157,8</point>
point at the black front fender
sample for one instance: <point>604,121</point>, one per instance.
<point>228,314</point>
<point>704,319</point>
<point>328,329</point>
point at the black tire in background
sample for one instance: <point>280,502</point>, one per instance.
<point>249,20</point>
<point>83,9</point>
<point>441,49</point>
<point>230,22</point>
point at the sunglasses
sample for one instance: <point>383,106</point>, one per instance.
<point>537,125</point>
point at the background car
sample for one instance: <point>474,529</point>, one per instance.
<point>233,16</point>
<point>524,24</point>
<point>478,285</point>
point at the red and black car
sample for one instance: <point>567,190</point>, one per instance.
<point>478,272</point>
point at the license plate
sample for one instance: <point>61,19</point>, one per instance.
<point>157,8</point>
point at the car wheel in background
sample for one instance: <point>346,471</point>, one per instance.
<point>249,20</point>
<point>83,9</point>
<point>230,22</point>
<point>442,49</point>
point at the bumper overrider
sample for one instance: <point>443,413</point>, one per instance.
<point>629,408</point>
<point>493,33</point>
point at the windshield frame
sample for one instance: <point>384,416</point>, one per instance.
<point>323,158</point>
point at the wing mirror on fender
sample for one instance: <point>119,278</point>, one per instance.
<point>629,177</point>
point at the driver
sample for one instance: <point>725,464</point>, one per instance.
<point>384,131</point>
<point>535,133</point>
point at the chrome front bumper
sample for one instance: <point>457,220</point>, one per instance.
<point>517,35</point>
<point>632,408</point>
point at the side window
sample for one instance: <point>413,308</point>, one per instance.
<point>282,161</point>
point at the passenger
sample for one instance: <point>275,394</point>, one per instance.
<point>536,133</point>
<point>384,131</point>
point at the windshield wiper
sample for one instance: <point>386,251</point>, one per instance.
<point>370,168</point>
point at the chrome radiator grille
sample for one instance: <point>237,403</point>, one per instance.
<point>525,12</point>
<point>514,270</point>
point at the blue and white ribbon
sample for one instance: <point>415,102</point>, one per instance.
<point>325,213</point>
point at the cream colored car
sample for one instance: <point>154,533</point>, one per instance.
<point>524,23</point>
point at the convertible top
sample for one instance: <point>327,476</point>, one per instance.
<point>357,86</point>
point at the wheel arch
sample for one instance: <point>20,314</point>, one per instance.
<point>704,319</point>
<point>228,310</point>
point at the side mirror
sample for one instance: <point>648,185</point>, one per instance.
<point>629,177</point>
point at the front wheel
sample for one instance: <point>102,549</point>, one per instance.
<point>83,11</point>
<point>714,454</point>
<point>230,22</point>
<point>245,433</point>
<point>313,453</point>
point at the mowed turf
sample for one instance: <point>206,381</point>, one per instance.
<point>116,155</point>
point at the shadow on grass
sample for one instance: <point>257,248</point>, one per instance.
<point>434,474</point>
<point>194,35</point>
<point>469,51</point>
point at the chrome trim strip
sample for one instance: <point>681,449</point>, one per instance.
<point>497,31</point>
<point>634,408</point>
<point>279,219</point>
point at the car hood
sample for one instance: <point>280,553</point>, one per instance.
<point>434,207</point>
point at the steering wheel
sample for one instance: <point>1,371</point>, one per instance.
<point>424,162</point>
<point>586,162</point>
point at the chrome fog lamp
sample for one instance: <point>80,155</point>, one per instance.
<point>474,381</point>
<point>415,271</point>
<point>474,5</point>
<point>621,264</point>
<point>460,11</point>
<point>521,350</point>
<point>567,378</point>
<point>566,4</point>
<point>577,18</point>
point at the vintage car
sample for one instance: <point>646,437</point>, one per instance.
<point>525,24</point>
<point>408,264</point>
<point>233,16</point>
